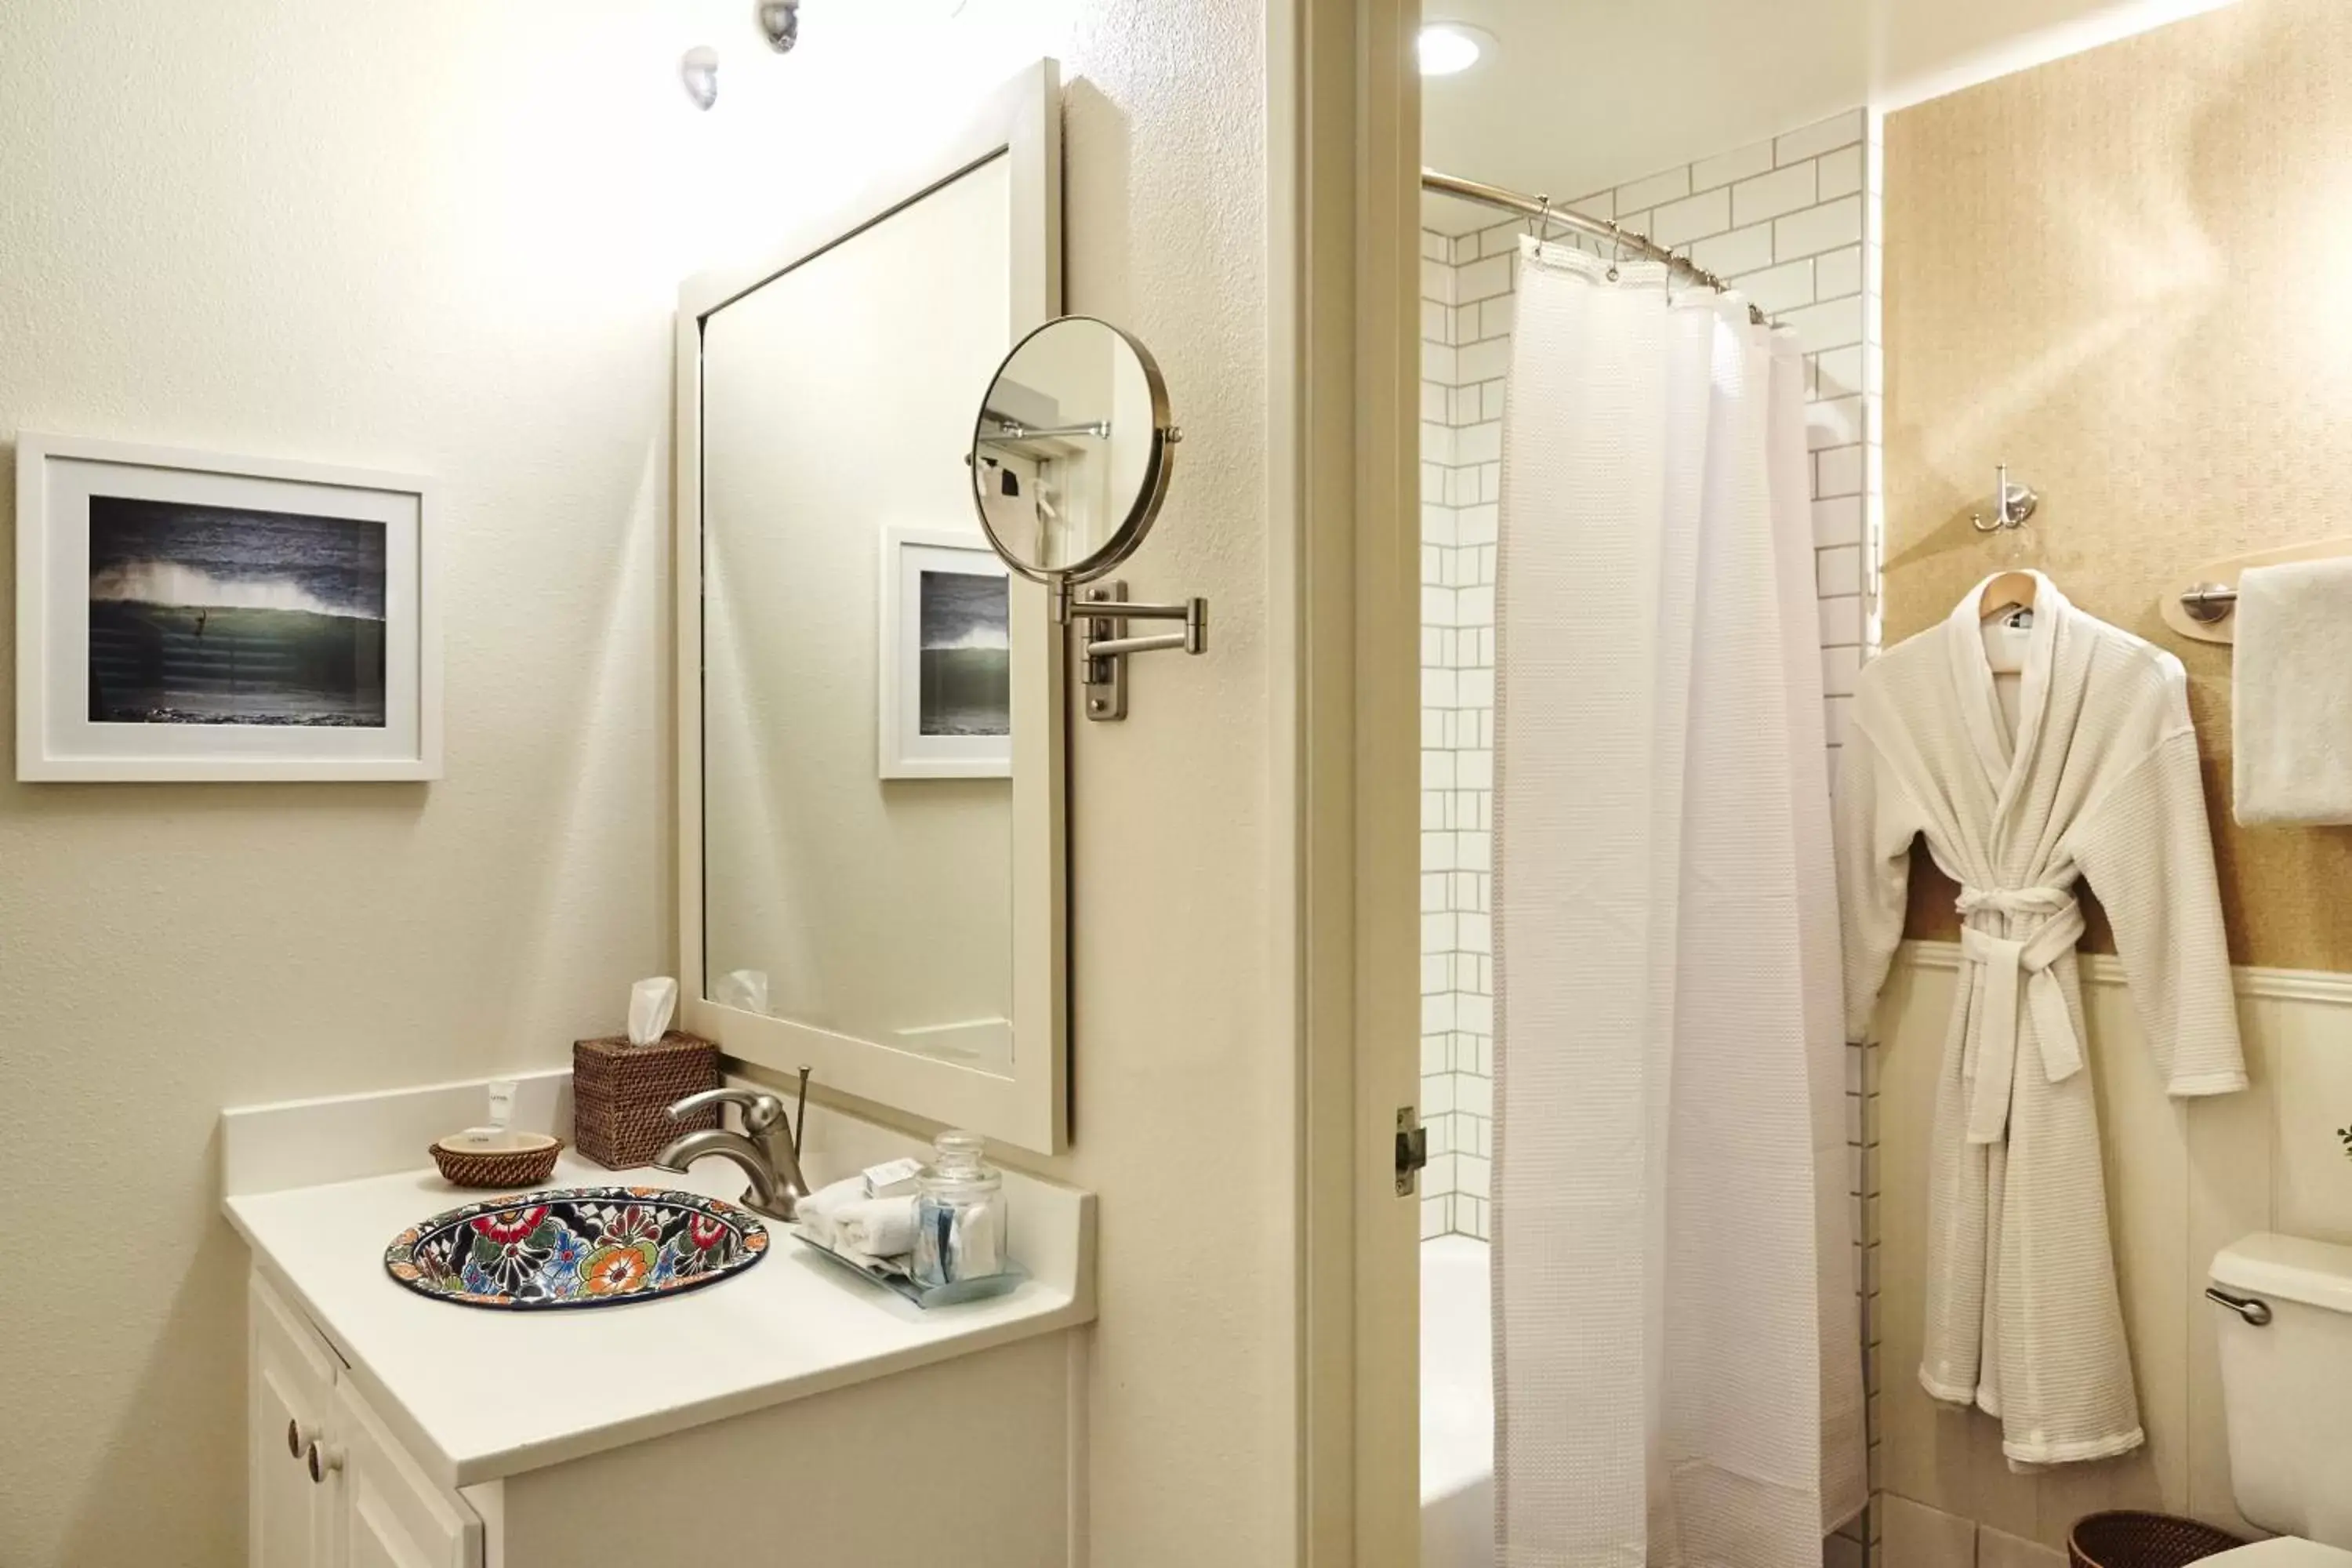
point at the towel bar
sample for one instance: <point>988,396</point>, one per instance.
<point>2199,604</point>
<point>2208,602</point>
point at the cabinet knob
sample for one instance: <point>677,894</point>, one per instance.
<point>323,1456</point>
<point>296,1439</point>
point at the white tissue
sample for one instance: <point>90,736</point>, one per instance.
<point>651,1003</point>
<point>973,1249</point>
<point>746,989</point>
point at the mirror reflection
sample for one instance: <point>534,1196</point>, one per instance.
<point>858,642</point>
<point>1066,454</point>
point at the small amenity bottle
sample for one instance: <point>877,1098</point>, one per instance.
<point>959,1221</point>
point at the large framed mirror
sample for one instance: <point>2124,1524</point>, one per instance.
<point>871,717</point>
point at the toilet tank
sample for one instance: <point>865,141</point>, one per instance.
<point>2286,1385</point>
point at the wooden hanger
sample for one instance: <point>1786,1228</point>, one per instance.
<point>2010,591</point>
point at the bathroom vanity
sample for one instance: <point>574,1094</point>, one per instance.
<point>789,1404</point>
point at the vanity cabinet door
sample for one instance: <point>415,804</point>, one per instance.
<point>395,1517</point>
<point>290,1399</point>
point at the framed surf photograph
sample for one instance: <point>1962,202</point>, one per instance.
<point>182,616</point>
<point>945,672</point>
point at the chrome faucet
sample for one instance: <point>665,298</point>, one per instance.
<point>768,1148</point>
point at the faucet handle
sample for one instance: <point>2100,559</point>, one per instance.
<point>761,1110</point>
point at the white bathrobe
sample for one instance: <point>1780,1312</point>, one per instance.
<point>2096,779</point>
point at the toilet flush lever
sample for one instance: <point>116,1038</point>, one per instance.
<point>2254,1311</point>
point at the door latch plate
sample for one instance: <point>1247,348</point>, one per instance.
<point>1411,1150</point>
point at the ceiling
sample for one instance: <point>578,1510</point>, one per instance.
<point>1579,95</point>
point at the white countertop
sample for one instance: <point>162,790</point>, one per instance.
<point>479,1395</point>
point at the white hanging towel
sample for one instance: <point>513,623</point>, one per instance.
<point>2292,695</point>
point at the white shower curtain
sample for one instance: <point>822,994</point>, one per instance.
<point>1677,1371</point>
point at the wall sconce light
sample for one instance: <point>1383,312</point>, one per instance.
<point>780,23</point>
<point>699,71</point>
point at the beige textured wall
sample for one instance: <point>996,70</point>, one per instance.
<point>450,241</point>
<point>2121,273</point>
<point>2124,274</point>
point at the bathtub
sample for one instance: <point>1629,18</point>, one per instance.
<point>1458,1406</point>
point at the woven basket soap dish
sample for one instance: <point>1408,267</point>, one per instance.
<point>497,1158</point>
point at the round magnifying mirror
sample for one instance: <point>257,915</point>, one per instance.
<point>1071,452</point>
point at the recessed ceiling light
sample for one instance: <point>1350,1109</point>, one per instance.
<point>1448,48</point>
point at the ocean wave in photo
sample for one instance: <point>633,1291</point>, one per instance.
<point>965,663</point>
<point>209,615</point>
<point>965,609</point>
<point>191,587</point>
<point>168,552</point>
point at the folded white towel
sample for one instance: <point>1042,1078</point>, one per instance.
<point>2293,694</point>
<point>827,1199</point>
<point>872,1264</point>
<point>882,1228</point>
<point>874,1233</point>
<point>819,1213</point>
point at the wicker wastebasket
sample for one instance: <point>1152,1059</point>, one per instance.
<point>621,1094</point>
<point>2129,1540</point>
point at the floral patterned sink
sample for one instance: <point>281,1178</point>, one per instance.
<point>576,1247</point>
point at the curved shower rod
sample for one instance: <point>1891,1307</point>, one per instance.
<point>1542,209</point>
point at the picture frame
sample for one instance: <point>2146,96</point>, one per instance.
<point>192,616</point>
<point>943,675</point>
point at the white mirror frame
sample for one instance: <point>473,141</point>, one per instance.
<point>1030,1108</point>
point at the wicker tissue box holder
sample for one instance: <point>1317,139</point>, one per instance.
<point>621,1094</point>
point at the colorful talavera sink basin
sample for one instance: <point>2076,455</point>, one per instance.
<point>576,1247</point>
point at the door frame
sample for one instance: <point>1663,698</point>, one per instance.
<point>1344,185</point>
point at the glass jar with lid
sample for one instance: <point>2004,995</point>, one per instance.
<point>960,1218</point>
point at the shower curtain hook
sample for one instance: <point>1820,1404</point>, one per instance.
<point>1540,224</point>
<point>1616,248</point>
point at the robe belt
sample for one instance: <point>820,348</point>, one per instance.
<point>2008,966</point>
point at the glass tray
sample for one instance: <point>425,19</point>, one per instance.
<point>899,1285</point>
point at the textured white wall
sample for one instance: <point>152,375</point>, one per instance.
<point>1185,1065</point>
<point>313,232</point>
<point>450,240</point>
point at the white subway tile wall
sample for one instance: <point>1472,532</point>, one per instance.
<point>1794,223</point>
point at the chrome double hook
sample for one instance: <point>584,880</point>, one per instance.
<point>2012,504</point>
